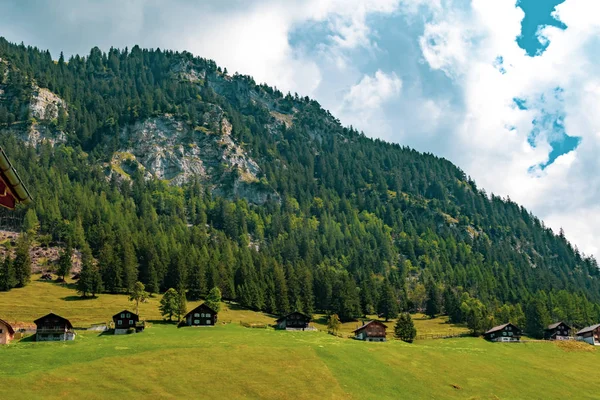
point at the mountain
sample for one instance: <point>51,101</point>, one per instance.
<point>167,169</point>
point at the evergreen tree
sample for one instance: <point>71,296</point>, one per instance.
<point>181,304</point>
<point>434,301</point>
<point>7,274</point>
<point>536,317</point>
<point>388,303</point>
<point>333,324</point>
<point>22,262</point>
<point>405,328</point>
<point>65,263</point>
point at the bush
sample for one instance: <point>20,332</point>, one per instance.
<point>130,331</point>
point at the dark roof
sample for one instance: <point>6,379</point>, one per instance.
<point>201,306</point>
<point>11,330</point>
<point>53,315</point>
<point>500,327</point>
<point>555,325</point>
<point>292,313</point>
<point>12,182</point>
<point>589,329</point>
<point>118,315</point>
<point>369,323</point>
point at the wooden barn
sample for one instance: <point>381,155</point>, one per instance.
<point>557,331</point>
<point>7,332</point>
<point>590,334</point>
<point>12,190</point>
<point>202,315</point>
<point>52,327</point>
<point>372,331</point>
<point>295,321</point>
<point>503,333</point>
<point>126,320</point>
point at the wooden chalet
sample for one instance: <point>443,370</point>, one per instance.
<point>372,331</point>
<point>7,332</point>
<point>503,333</point>
<point>126,320</point>
<point>295,321</point>
<point>53,327</point>
<point>590,334</point>
<point>557,331</point>
<point>202,315</point>
<point>12,190</point>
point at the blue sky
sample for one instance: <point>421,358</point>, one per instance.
<point>508,90</point>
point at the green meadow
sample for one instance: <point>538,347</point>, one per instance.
<point>230,361</point>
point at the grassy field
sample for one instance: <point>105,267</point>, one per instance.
<point>230,361</point>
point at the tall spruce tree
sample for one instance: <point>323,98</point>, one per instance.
<point>405,328</point>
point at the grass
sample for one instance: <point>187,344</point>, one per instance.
<point>229,361</point>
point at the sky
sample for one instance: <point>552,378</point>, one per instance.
<point>507,90</point>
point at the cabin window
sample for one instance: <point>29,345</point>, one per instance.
<point>0,330</point>
<point>196,315</point>
<point>196,322</point>
<point>128,315</point>
<point>130,322</point>
<point>503,333</point>
<point>122,315</point>
<point>119,322</point>
<point>493,335</point>
<point>510,333</point>
<point>208,321</point>
<point>509,328</point>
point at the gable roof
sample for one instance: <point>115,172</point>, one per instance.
<point>588,329</point>
<point>40,319</point>
<point>11,330</point>
<point>369,323</point>
<point>12,190</point>
<point>292,313</point>
<point>556,325</point>
<point>500,327</point>
<point>118,315</point>
<point>201,306</point>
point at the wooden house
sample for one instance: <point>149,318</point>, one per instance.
<point>557,331</point>
<point>126,320</point>
<point>372,331</point>
<point>53,327</point>
<point>295,321</point>
<point>202,315</point>
<point>503,333</point>
<point>7,332</point>
<point>590,334</point>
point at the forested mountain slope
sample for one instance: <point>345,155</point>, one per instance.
<point>166,169</point>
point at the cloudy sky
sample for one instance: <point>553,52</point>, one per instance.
<point>509,91</point>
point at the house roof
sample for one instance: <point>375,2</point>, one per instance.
<point>589,329</point>
<point>54,315</point>
<point>118,315</point>
<point>555,325</point>
<point>201,306</point>
<point>292,313</point>
<point>11,330</point>
<point>12,190</point>
<point>500,327</point>
<point>369,323</point>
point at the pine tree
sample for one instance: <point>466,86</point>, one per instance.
<point>7,274</point>
<point>434,301</point>
<point>22,262</point>
<point>181,304</point>
<point>169,304</point>
<point>65,263</point>
<point>536,317</point>
<point>405,328</point>
<point>213,300</point>
<point>388,303</point>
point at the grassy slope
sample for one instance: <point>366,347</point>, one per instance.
<point>235,362</point>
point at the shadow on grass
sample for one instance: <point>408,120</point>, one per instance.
<point>28,339</point>
<point>77,298</point>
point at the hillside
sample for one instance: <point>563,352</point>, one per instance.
<point>217,181</point>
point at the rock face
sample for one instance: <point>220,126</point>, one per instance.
<point>44,104</point>
<point>167,148</point>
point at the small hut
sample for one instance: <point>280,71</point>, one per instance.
<point>202,315</point>
<point>126,320</point>
<point>503,333</point>
<point>295,321</point>
<point>52,327</point>
<point>372,331</point>
<point>557,331</point>
<point>590,334</point>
